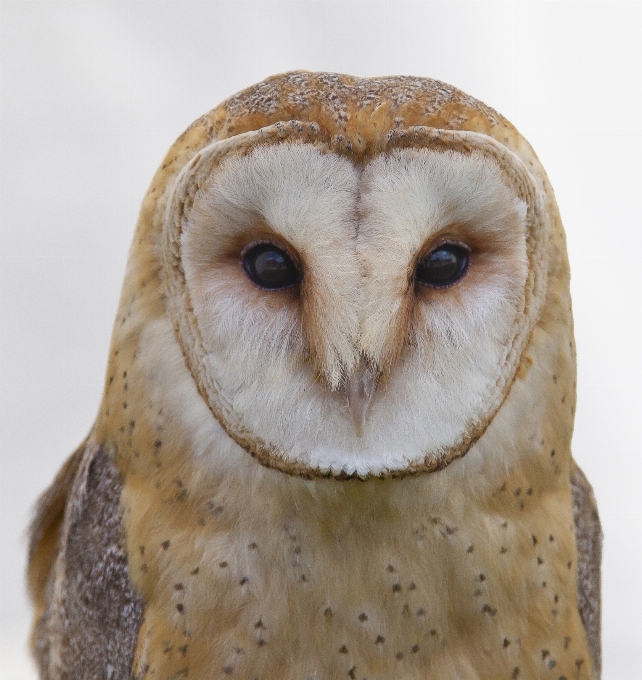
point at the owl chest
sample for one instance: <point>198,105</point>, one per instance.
<point>280,595</point>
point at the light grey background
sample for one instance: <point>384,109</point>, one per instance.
<point>93,94</point>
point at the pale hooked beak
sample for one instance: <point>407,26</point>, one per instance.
<point>362,385</point>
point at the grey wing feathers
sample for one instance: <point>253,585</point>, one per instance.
<point>87,612</point>
<point>44,532</point>
<point>588,534</point>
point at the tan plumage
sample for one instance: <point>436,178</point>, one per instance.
<point>441,543</point>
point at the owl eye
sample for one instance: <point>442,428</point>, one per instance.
<point>443,266</point>
<point>269,266</point>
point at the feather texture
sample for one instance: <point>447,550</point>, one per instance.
<point>223,503</point>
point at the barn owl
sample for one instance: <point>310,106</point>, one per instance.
<point>334,440</point>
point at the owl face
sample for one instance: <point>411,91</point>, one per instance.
<point>353,314</point>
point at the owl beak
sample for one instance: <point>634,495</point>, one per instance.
<point>362,385</point>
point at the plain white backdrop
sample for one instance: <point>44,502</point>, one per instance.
<point>94,93</point>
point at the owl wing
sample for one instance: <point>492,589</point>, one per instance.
<point>44,533</point>
<point>588,534</point>
<point>87,612</point>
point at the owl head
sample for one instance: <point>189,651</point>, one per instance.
<point>352,268</point>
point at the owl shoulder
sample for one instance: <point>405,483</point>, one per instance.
<point>588,534</point>
<point>45,529</point>
<point>87,612</point>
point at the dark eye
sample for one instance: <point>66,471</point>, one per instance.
<point>443,266</point>
<point>269,266</point>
